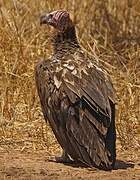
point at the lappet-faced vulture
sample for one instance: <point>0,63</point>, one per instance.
<point>77,98</point>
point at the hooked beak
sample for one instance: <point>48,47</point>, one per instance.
<point>44,19</point>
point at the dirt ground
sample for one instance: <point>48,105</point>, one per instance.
<point>35,166</point>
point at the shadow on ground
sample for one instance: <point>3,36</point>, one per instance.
<point>118,165</point>
<point>123,165</point>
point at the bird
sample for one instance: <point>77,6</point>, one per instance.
<point>77,98</point>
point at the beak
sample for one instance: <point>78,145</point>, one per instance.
<point>44,19</point>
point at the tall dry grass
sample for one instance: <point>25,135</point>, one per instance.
<point>108,30</point>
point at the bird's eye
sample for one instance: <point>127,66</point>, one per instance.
<point>50,16</point>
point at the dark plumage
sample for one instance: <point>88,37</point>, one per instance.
<point>77,98</point>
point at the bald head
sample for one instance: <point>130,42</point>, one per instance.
<point>58,19</point>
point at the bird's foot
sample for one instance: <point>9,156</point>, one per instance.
<point>61,159</point>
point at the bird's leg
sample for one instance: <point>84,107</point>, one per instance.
<point>64,158</point>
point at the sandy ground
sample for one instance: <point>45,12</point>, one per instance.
<point>35,166</point>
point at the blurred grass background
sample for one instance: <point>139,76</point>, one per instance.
<point>108,30</point>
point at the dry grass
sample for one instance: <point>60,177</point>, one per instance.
<point>108,30</point>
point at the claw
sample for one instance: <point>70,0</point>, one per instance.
<point>62,159</point>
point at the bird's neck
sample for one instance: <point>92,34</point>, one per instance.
<point>65,42</point>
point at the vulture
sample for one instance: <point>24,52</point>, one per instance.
<point>77,98</point>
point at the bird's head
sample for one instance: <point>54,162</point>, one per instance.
<point>59,19</point>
